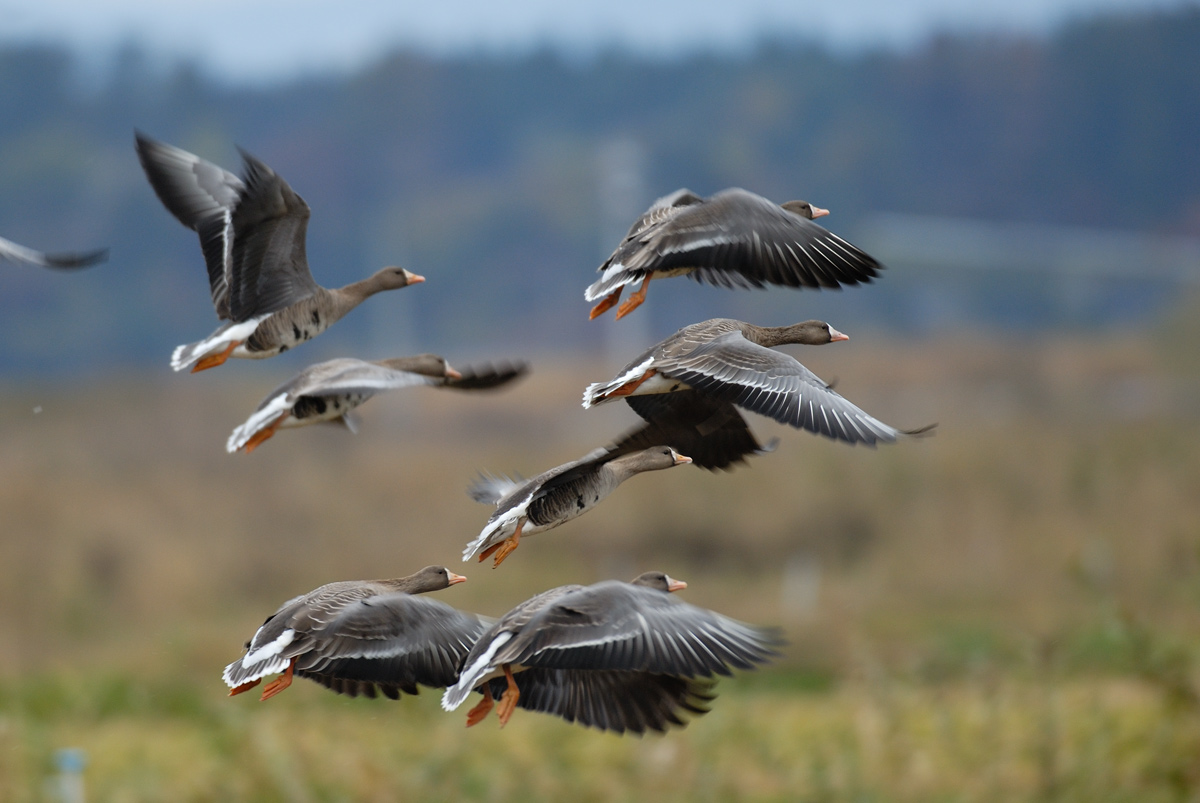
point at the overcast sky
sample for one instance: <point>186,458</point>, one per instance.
<point>259,40</point>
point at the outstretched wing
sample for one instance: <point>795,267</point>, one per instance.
<point>202,196</point>
<point>19,253</point>
<point>774,384</point>
<point>269,266</point>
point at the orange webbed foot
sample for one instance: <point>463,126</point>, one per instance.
<point>278,684</point>
<point>508,700</point>
<point>629,387</point>
<point>606,303</point>
<point>479,712</point>
<point>264,434</point>
<point>213,360</point>
<point>244,687</point>
<point>634,301</point>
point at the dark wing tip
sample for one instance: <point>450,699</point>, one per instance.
<point>75,261</point>
<point>486,377</point>
<point>927,431</point>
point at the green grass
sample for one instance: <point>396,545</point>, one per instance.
<point>1006,611</point>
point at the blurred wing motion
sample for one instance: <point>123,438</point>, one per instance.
<point>15,252</point>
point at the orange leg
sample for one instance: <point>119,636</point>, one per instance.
<point>508,700</point>
<point>213,360</point>
<point>629,387</point>
<point>635,300</point>
<point>505,547</point>
<point>606,303</point>
<point>244,687</point>
<point>264,434</point>
<point>480,712</point>
<point>280,683</point>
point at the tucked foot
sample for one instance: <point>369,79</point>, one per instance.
<point>508,700</point>
<point>506,549</point>
<point>606,303</point>
<point>280,683</point>
<point>634,301</point>
<point>629,387</point>
<point>264,434</point>
<point>506,546</point>
<point>479,712</point>
<point>213,360</point>
<point>244,687</point>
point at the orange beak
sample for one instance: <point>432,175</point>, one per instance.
<point>452,374</point>
<point>835,335</point>
<point>680,459</point>
<point>413,278</point>
<point>456,578</point>
<point>674,585</point>
<point>819,212</point>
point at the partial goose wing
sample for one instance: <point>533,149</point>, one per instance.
<point>344,375</point>
<point>394,640</point>
<point>486,377</point>
<point>611,700</point>
<point>270,268</point>
<point>348,375</point>
<point>739,239</point>
<point>614,625</point>
<point>19,253</point>
<point>774,384</point>
<point>202,196</point>
<point>710,431</point>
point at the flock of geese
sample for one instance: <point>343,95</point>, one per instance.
<point>615,656</point>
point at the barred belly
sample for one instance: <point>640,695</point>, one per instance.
<point>311,409</point>
<point>289,327</point>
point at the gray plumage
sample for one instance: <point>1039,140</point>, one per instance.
<point>613,655</point>
<point>733,239</point>
<point>330,390</point>
<point>16,252</point>
<point>556,496</point>
<point>710,431</point>
<point>355,636</point>
<point>252,231</point>
<point>734,362</point>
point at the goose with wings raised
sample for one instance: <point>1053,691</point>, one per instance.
<point>732,239</point>
<point>615,656</point>
<point>358,636</point>
<point>252,231</point>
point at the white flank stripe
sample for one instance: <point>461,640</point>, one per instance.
<point>257,420</point>
<point>215,343</point>
<point>590,395</point>
<point>469,678</point>
<point>270,650</point>
<point>494,531</point>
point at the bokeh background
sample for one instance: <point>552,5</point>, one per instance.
<point>1006,611</point>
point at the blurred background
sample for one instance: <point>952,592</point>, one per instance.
<point>1007,610</point>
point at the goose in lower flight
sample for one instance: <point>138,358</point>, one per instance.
<point>615,656</point>
<point>556,496</point>
<point>356,636</point>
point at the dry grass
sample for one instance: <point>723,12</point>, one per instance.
<point>1004,611</point>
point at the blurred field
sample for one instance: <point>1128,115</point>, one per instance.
<point>1006,611</point>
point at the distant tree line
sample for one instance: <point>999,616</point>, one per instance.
<point>493,175</point>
